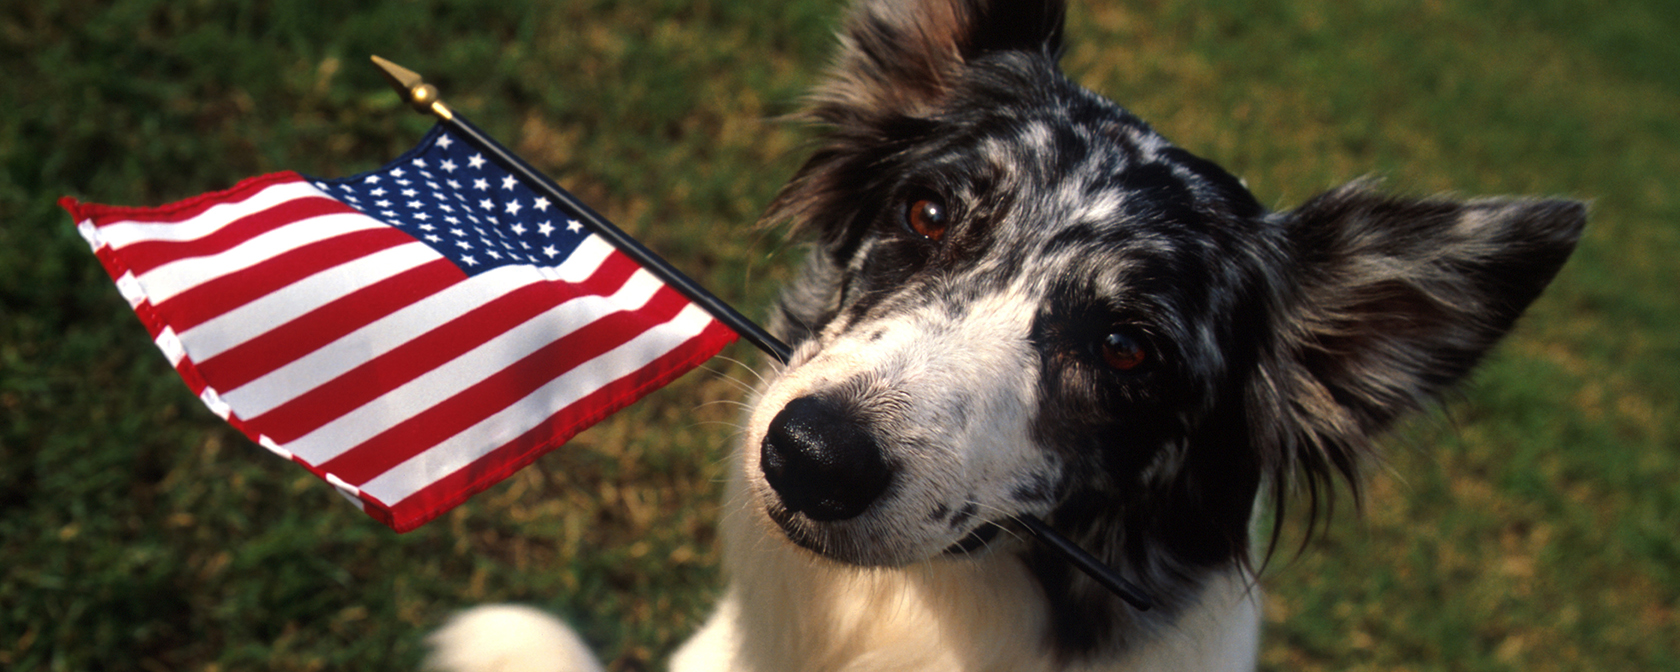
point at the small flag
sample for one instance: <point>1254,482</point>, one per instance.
<point>412,335</point>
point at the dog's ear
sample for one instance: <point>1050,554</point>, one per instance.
<point>1393,301</point>
<point>900,57</point>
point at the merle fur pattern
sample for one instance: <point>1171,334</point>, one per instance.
<point>1277,343</point>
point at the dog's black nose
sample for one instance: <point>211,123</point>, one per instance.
<point>821,462</point>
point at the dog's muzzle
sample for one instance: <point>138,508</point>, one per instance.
<point>821,462</point>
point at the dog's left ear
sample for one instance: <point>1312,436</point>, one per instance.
<point>1394,301</point>
<point>901,57</point>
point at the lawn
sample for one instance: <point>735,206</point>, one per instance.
<point>1530,524</point>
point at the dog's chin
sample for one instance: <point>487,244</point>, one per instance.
<point>854,544</point>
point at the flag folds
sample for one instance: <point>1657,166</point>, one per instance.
<point>412,335</point>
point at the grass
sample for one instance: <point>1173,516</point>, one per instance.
<point>1530,525</point>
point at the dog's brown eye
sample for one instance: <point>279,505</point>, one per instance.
<point>1122,351</point>
<point>927,216</point>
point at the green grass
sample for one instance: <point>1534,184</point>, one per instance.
<point>1530,525</point>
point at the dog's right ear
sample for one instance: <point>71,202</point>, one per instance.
<point>899,62</point>
<point>1389,302</point>
<point>901,57</point>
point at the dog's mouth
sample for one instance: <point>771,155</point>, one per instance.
<point>857,547</point>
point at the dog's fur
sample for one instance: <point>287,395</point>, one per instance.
<point>1023,301</point>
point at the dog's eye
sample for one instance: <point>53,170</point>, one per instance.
<point>926,215</point>
<point>1124,351</point>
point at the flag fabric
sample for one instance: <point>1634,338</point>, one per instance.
<point>412,335</point>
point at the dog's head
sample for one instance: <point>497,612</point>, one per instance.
<point>1023,300</point>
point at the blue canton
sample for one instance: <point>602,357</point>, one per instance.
<point>466,207</point>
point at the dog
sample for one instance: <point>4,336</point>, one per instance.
<point>1021,300</point>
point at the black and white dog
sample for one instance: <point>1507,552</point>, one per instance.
<point>1024,301</point>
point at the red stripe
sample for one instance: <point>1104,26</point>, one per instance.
<point>275,348</point>
<point>500,390</point>
<point>449,491</point>
<point>145,255</point>
<point>449,340</point>
<point>180,210</point>
<point>211,299</point>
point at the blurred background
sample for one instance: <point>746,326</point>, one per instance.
<point>1529,525</point>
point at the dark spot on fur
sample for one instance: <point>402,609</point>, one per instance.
<point>964,514</point>
<point>1035,489</point>
<point>939,512</point>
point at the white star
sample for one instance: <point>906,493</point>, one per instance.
<point>446,207</point>
<point>448,165</point>
<point>377,191</point>
<point>422,216</point>
<point>513,208</point>
<point>457,232</point>
<point>469,261</point>
<point>382,204</point>
<point>550,251</point>
<point>574,226</point>
<point>508,182</point>
<point>452,220</point>
<point>519,229</point>
<point>409,193</point>
<point>463,244</point>
<point>493,254</point>
<point>444,141</point>
<point>453,184</point>
<point>416,204</point>
<point>545,228</point>
<point>481,184</point>
<point>541,204</point>
<point>426,227</point>
<point>372,179</point>
<point>433,237</point>
<point>388,214</point>
<point>418,162</point>
<point>486,204</point>
<point>475,161</point>
<point>397,172</point>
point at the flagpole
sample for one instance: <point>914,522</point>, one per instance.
<point>426,99</point>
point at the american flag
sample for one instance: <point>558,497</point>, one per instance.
<point>412,335</point>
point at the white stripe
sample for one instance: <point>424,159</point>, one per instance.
<point>447,380</point>
<point>177,276</point>
<point>264,441</point>
<point>475,442</point>
<point>170,344</point>
<point>387,333</point>
<point>120,234</point>
<point>215,336</point>
<point>214,402</point>
<point>90,233</point>
<point>130,289</point>
<point>349,491</point>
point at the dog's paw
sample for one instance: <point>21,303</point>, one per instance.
<point>507,638</point>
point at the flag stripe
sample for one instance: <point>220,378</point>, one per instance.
<point>421,388</point>
<point>262,353</point>
<point>388,332</point>
<point>120,227</point>
<point>494,394</point>
<point>145,255</point>
<point>319,419</point>
<point>408,496</point>
<point>166,281</point>
<point>243,288</point>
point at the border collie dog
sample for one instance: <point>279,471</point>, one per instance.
<point>1022,301</point>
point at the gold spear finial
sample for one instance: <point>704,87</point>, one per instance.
<point>424,97</point>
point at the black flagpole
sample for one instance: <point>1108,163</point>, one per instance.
<point>425,98</point>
